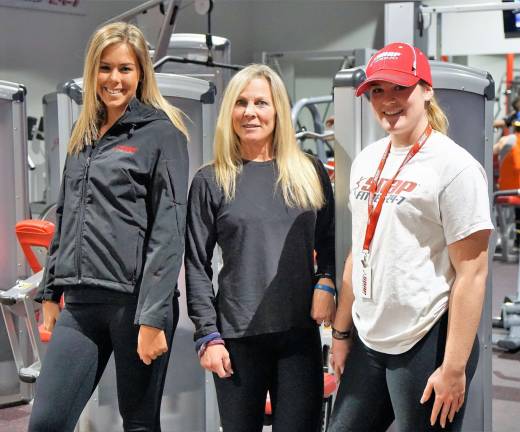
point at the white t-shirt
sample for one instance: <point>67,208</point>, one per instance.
<point>440,196</point>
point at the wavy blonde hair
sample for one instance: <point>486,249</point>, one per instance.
<point>87,126</point>
<point>297,175</point>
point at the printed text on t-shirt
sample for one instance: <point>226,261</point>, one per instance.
<point>395,193</point>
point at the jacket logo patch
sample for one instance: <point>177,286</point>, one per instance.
<point>126,149</point>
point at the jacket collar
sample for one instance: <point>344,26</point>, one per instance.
<point>138,112</point>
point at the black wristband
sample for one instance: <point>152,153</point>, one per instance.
<point>340,335</point>
<point>326,275</point>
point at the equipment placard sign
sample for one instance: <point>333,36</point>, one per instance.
<point>76,7</point>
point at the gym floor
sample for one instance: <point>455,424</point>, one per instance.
<point>506,370</point>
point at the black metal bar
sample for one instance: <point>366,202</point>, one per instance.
<point>175,59</point>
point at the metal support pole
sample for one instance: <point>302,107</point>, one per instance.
<point>167,26</point>
<point>438,48</point>
<point>161,47</point>
<point>132,13</point>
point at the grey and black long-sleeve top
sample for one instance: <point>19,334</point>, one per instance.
<point>266,282</point>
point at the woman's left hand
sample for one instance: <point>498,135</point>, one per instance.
<point>323,308</point>
<point>151,343</point>
<point>449,387</point>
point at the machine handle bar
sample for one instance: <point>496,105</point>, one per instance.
<point>207,63</point>
<point>309,134</point>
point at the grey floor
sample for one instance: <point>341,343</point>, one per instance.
<point>506,371</point>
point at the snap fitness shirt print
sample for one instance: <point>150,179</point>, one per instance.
<point>396,193</point>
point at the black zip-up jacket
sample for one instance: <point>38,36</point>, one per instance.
<point>121,217</point>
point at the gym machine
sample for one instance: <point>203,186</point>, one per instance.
<point>189,54</point>
<point>14,196</point>
<point>509,319</point>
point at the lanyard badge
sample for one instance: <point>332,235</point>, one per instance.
<point>366,275</point>
<point>374,213</point>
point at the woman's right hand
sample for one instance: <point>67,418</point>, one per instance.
<point>51,311</point>
<point>338,355</point>
<point>216,359</point>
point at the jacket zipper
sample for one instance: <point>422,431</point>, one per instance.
<point>79,234</point>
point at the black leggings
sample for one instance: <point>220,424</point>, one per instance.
<point>375,388</point>
<point>82,342</point>
<point>289,365</point>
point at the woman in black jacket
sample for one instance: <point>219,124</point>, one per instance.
<point>119,240</point>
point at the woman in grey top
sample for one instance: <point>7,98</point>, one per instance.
<point>268,206</point>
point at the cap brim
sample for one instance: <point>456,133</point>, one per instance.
<point>393,76</point>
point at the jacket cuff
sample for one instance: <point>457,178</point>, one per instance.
<point>49,295</point>
<point>151,321</point>
<point>205,339</point>
<point>205,331</point>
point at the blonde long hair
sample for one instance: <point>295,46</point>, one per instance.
<point>87,126</point>
<point>436,116</point>
<point>297,176</point>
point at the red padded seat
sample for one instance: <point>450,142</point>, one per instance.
<point>512,200</point>
<point>32,233</point>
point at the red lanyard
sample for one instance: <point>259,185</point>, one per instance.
<point>374,213</point>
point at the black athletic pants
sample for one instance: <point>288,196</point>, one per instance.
<point>289,365</point>
<point>375,387</point>
<point>82,341</point>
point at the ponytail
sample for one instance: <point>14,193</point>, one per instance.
<point>436,116</point>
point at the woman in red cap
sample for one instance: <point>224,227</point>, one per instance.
<point>404,337</point>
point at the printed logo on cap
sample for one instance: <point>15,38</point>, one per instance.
<point>388,55</point>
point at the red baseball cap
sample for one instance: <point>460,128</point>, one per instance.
<point>399,63</point>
